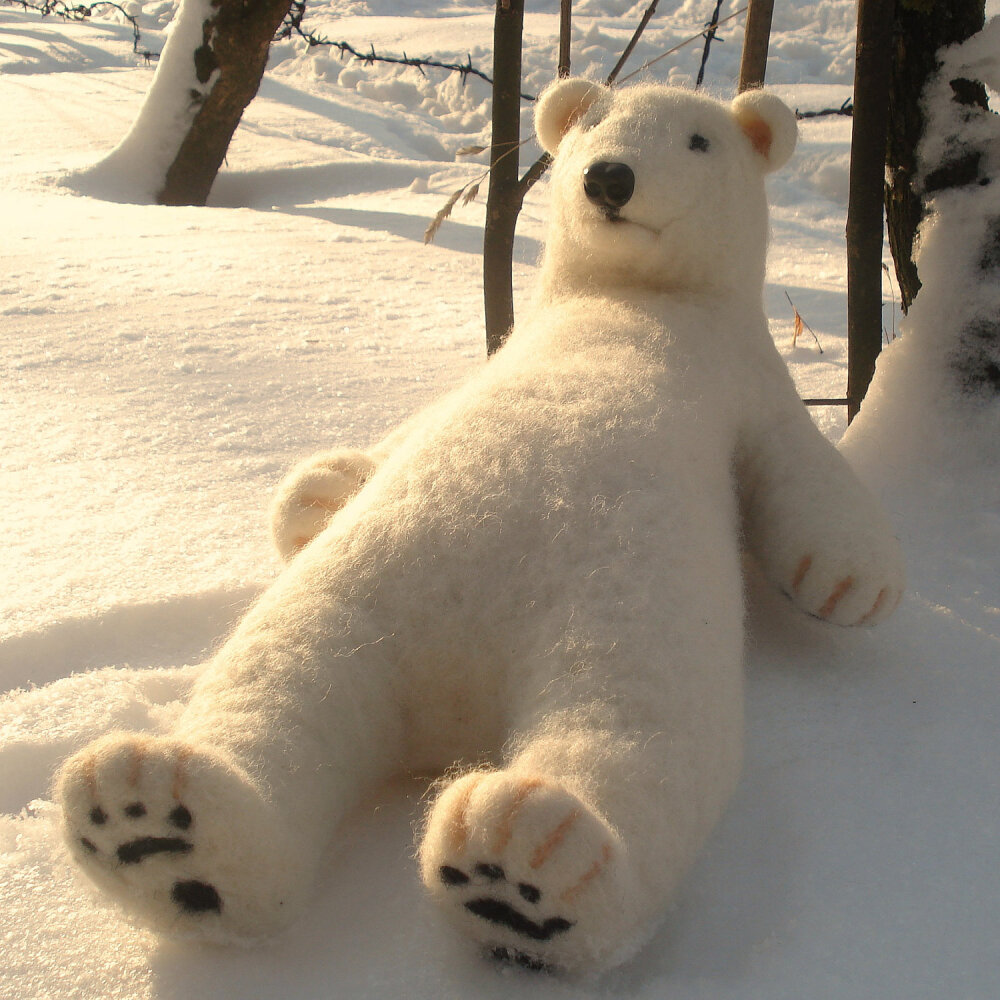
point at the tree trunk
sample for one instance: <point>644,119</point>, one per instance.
<point>503,202</point>
<point>230,62</point>
<point>565,36</point>
<point>756,39</point>
<point>920,28</point>
<point>864,212</point>
<point>208,72</point>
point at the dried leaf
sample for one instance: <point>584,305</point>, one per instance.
<point>797,330</point>
<point>470,195</point>
<point>431,231</point>
<point>471,151</point>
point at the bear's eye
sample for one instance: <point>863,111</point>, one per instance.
<point>698,143</point>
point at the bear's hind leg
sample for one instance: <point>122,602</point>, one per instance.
<point>567,858</point>
<point>181,836</point>
<point>218,829</point>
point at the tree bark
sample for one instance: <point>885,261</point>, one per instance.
<point>229,63</point>
<point>503,201</point>
<point>565,36</point>
<point>920,29</point>
<point>864,211</point>
<point>756,39</point>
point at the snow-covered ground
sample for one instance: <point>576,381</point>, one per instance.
<point>161,368</point>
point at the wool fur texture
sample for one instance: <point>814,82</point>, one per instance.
<point>542,570</point>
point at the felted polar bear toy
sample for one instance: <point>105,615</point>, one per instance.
<point>542,570</point>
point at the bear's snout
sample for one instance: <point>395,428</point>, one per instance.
<point>608,185</point>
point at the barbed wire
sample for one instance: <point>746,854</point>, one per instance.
<point>292,25</point>
<point>83,12</point>
<point>709,34</point>
<point>846,109</point>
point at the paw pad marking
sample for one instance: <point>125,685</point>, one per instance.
<point>452,876</point>
<point>496,911</point>
<point>191,896</point>
<point>196,897</point>
<point>180,817</point>
<point>134,851</point>
<point>500,912</point>
<point>511,956</point>
<point>528,892</point>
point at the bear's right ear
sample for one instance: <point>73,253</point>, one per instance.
<point>561,105</point>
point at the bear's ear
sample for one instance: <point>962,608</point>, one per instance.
<point>769,124</point>
<point>561,105</point>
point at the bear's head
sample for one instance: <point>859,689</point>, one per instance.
<point>658,188</point>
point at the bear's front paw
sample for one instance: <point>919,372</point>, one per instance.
<point>176,836</point>
<point>312,493</point>
<point>525,868</point>
<point>863,590</point>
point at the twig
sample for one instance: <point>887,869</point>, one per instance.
<point>467,192</point>
<point>680,45</point>
<point>799,324</point>
<point>892,292</point>
<point>633,41</point>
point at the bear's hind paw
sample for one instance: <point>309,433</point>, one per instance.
<point>528,870</point>
<point>153,823</point>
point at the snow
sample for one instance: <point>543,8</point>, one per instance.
<point>134,170</point>
<point>162,367</point>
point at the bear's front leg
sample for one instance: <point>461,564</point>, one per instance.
<point>815,529</point>
<point>312,493</point>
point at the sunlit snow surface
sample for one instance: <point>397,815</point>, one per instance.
<point>160,368</point>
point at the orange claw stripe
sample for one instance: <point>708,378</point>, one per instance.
<point>553,840</point>
<point>458,831</point>
<point>879,601</point>
<point>505,828</point>
<point>835,598</point>
<point>180,774</point>
<point>800,573</point>
<point>332,504</point>
<point>588,876</point>
<point>90,776</point>
<point>135,765</point>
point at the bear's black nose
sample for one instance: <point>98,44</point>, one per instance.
<point>608,185</point>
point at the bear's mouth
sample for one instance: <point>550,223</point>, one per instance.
<point>615,217</point>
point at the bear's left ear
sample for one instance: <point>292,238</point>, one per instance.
<point>561,105</point>
<point>769,124</point>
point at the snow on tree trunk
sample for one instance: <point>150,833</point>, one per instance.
<point>920,30</point>
<point>209,71</point>
<point>940,382</point>
<point>959,174</point>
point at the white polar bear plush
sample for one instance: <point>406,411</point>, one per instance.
<point>542,570</point>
